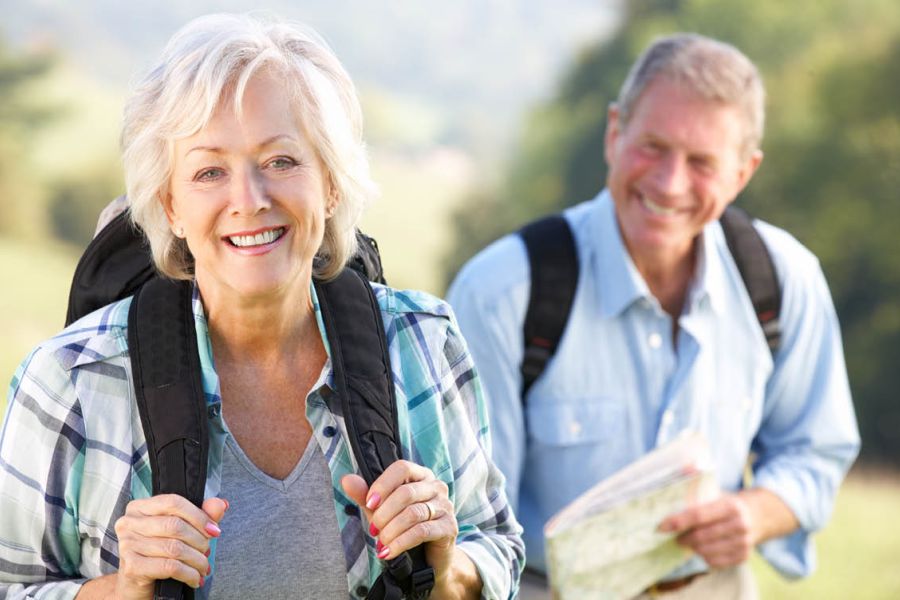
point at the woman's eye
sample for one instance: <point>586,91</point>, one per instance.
<point>281,163</point>
<point>208,174</point>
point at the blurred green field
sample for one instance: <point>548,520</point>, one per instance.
<point>857,552</point>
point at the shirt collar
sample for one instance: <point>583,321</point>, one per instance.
<point>619,284</point>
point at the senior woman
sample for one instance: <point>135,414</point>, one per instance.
<point>245,166</point>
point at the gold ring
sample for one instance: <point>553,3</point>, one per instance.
<point>430,511</point>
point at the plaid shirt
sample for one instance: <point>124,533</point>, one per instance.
<point>73,452</point>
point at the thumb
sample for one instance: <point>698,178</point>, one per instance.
<point>356,489</point>
<point>215,508</point>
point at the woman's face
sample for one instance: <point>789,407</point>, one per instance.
<point>250,195</point>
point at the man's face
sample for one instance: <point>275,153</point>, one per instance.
<point>673,168</point>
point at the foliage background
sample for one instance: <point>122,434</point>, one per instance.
<point>483,114</point>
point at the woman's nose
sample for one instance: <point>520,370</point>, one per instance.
<point>249,195</point>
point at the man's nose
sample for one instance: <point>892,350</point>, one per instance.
<point>671,175</point>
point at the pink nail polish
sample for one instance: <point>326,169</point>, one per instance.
<point>213,530</point>
<point>373,530</point>
<point>206,554</point>
<point>378,546</point>
<point>384,553</point>
<point>373,501</point>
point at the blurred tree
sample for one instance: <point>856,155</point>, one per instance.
<point>20,116</point>
<point>830,175</point>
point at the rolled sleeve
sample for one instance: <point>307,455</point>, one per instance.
<point>808,438</point>
<point>488,531</point>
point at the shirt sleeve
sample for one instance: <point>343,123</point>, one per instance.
<point>42,444</point>
<point>808,437</point>
<point>488,531</point>
<point>491,322</point>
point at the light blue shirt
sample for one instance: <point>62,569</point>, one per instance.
<point>619,387</point>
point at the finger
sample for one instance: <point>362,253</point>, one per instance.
<point>431,509</point>
<point>164,548</point>
<point>697,516</point>
<point>164,526</point>
<point>138,567</point>
<point>396,507</point>
<point>443,530</point>
<point>723,553</point>
<point>174,505</point>
<point>397,474</point>
<point>712,532</point>
<point>215,508</point>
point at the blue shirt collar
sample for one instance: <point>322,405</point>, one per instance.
<point>621,284</point>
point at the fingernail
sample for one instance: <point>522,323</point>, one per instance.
<point>207,553</point>
<point>384,553</point>
<point>202,581</point>
<point>226,503</point>
<point>213,530</point>
<point>373,530</point>
<point>373,501</point>
<point>378,546</point>
<point>208,570</point>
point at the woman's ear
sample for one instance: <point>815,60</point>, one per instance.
<point>165,199</point>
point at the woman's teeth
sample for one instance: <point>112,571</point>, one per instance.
<point>266,237</point>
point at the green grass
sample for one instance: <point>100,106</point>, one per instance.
<point>858,550</point>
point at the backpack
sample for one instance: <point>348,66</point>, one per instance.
<point>553,260</point>
<point>168,385</point>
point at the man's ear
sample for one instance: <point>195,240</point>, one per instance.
<point>746,170</point>
<point>612,132</point>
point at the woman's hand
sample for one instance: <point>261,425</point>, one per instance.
<point>164,537</point>
<point>408,506</point>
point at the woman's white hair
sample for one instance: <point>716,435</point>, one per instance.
<point>208,63</point>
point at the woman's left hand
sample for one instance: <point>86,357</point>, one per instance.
<point>405,507</point>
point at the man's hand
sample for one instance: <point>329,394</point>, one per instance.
<point>724,532</point>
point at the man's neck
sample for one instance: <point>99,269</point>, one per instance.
<point>668,275</point>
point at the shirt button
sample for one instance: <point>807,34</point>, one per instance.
<point>655,340</point>
<point>362,591</point>
<point>329,431</point>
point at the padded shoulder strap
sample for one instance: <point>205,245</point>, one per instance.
<point>364,382</point>
<point>554,278</point>
<point>114,265</point>
<point>757,270</point>
<point>165,363</point>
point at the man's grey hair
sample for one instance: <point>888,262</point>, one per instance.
<point>208,64</point>
<point>712,69</point>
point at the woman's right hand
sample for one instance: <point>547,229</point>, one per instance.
<point>164,537</point>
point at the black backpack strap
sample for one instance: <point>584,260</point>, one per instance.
<point>165,364</point>
<point>757,270</point>
<point>364,383</point>
<point>114,265</point>
<point>554,279</point>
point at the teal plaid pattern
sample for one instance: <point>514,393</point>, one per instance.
<point>73,454</point>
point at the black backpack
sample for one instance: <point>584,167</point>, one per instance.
<point>554,278</point>
<point>169,391</point>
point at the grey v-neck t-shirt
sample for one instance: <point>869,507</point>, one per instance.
<point>280,538</point>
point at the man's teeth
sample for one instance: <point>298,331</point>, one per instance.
<point>656,208</point>
<point>266,237</point>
